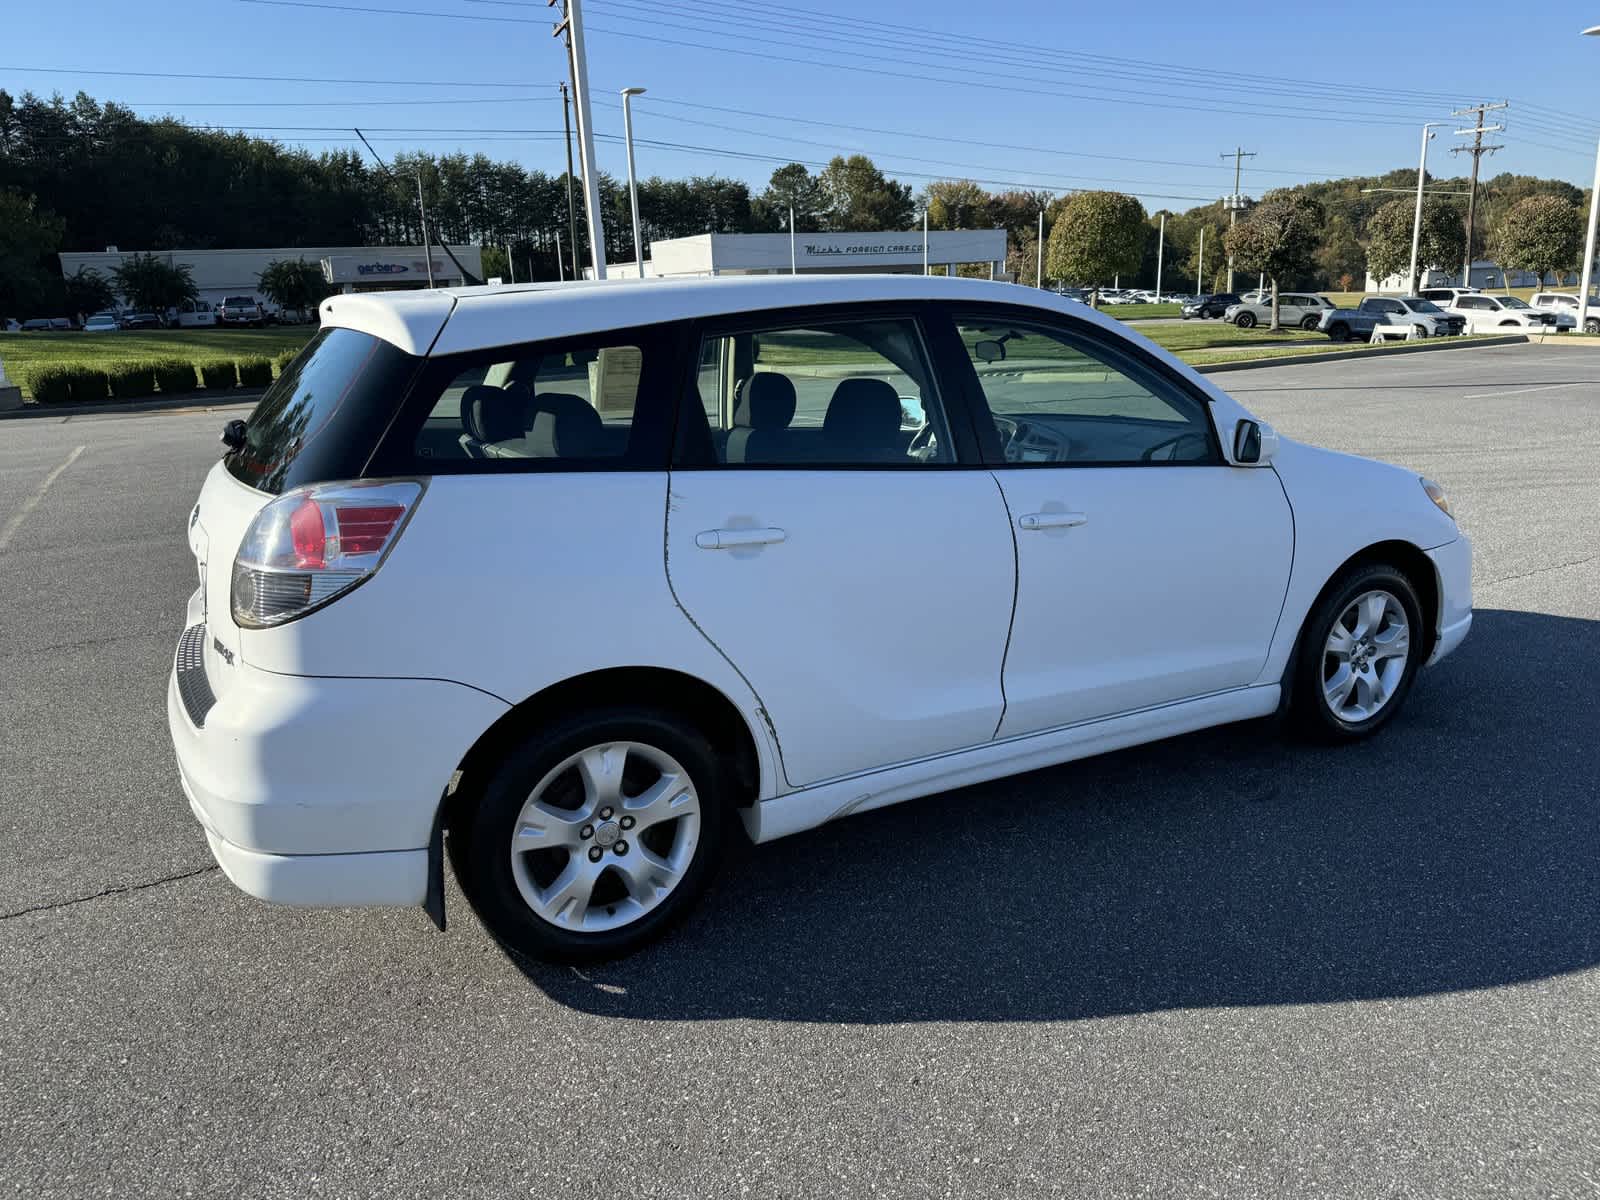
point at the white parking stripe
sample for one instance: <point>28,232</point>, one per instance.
<point>32,502</point>
<point>1549,387</point>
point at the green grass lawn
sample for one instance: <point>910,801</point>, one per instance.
<point>1124,311</point>
<point>21,352</point>
<point>1204,335</point>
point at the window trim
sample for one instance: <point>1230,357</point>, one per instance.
<point>689,407</point>
<point>649,437</point>
<point>1117,352</point>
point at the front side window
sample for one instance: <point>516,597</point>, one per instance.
<point>1057,399</point>
<point>848,393</point>
<point>541,403</point>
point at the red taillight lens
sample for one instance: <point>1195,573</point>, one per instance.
<point>313,544</point>
<point>365,528</point>
<point>307,535</point>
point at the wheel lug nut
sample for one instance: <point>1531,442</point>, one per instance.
<point>605,814</point>
<point>595,853</point>
<point>586,832</point>
<point>621,847</point>
<point>627,822</point>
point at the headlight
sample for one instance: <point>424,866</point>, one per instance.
<point>1436,494</point>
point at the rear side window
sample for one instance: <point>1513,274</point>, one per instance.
<point>325,414</point>
<point>542,403</point>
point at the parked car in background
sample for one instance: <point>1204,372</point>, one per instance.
<point>1446,296</point>
<point>191,314</point>
<point>349,707</point>
<point>36,325</point>
<point>104,322</point>
<point>141,320</point>
<point>1425,317</point>
<point>62,324</point>
<point>241,310</point>
<point>1209,307</point>
<point>1495,314</point>
<point>1302,309</point>
<point>1565,304</point>
<point>11,325</point>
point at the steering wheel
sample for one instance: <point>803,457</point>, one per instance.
<point>1172,445</point>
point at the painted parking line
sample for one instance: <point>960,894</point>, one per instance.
<point>32,502</point>
<point>1547,387</point>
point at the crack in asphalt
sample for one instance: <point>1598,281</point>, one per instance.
<point>112,891</point>
<point>1540,571</point>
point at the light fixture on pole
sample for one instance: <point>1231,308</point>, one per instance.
<point>628,93</point>
<point>1587,273</point>
<point>1416,220</point>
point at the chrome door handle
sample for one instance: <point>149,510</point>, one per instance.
<point>1052,520</point>
<point>735,539</point>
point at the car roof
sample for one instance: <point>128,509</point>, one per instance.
<point>453,320</point>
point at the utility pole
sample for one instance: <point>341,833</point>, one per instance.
<point>572,212</point>
<point>1235,202</point>
<point>1200,267</point>
<point>1477,150</point>
<point>1161,251</point>
<point>573,28</point>
<point>422,212</point>
<point>1038,263</point>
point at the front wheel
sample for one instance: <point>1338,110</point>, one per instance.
<point>1592,325</point>
<point>1420,330</point>
<point>593,836</point>
<point>1339,332</point>
<point>1358,655</point>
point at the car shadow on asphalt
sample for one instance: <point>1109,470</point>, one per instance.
<point>1457,850</point>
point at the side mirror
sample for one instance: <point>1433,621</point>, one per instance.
<point>1254,444</point>
<point>233,434</point>
<point>989,350</point>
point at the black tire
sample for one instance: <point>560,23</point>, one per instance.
<point>1309,323</point>
<point>1245,320</point>
<point>480,834</point>
<point>1309,705</point>
<point>1420,330</point>
<point>1339,332</point>
<point>1592,325</point>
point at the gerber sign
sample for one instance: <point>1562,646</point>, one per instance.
<point>381,268</point>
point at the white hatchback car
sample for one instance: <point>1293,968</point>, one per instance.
<point>566,578</point>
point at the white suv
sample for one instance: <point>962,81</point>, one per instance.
<point>1565,306</point>
<point>567,579</point>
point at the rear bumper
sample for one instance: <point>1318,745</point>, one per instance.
<point>1452,563</point>
<point>321,791</point>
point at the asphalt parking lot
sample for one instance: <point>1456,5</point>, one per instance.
<point>1222,966</point>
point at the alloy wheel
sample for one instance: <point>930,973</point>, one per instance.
<point>605,837</point>
<point>1365,656</point>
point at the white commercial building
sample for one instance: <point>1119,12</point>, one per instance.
<point>1486,274</point>
<point>219,274</point>
<point>900,252</point>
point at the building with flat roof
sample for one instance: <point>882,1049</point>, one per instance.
<point>899,252</point>
<point>219,274</point>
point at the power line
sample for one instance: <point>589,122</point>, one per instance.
<point>1477,150</point>
<point>462,83</point>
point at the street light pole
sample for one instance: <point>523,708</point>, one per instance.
<point>794,265</point>
<point>1588,246</point>
<point>924,241</point>
<point>1416,220</point>
<point>1161,250</point>
<point>1200,267</point>
<point>1038,266</point>
<point>628,93</point>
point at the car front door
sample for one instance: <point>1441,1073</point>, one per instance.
<point>831,530</point>
<point>1148,570</point>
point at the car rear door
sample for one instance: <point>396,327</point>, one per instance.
<point>1148,570</point>
<point>831,531</point>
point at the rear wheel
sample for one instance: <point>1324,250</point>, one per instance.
<point>1358,655</point>
<point>1309,322</point>
<point>594,836</point>
<point>1245,320</point>
<point>1592,325</point>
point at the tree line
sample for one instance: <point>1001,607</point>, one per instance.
<point>67,169</point>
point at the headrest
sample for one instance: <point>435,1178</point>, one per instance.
<point>863,412</point>
<point>564,426</point>
<point>766,401</point>
<point>492,415</point>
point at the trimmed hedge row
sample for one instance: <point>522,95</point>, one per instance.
<point>164,376</point>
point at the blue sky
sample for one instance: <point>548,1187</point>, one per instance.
<point>1028,92</point>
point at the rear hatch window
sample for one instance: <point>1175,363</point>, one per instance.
<point>324,415</point>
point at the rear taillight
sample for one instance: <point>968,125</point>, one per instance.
<point>313,544</point>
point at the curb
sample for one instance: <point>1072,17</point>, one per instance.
<point>197,401</point>
<point>1582,341</point>
<point>1293,360</point>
